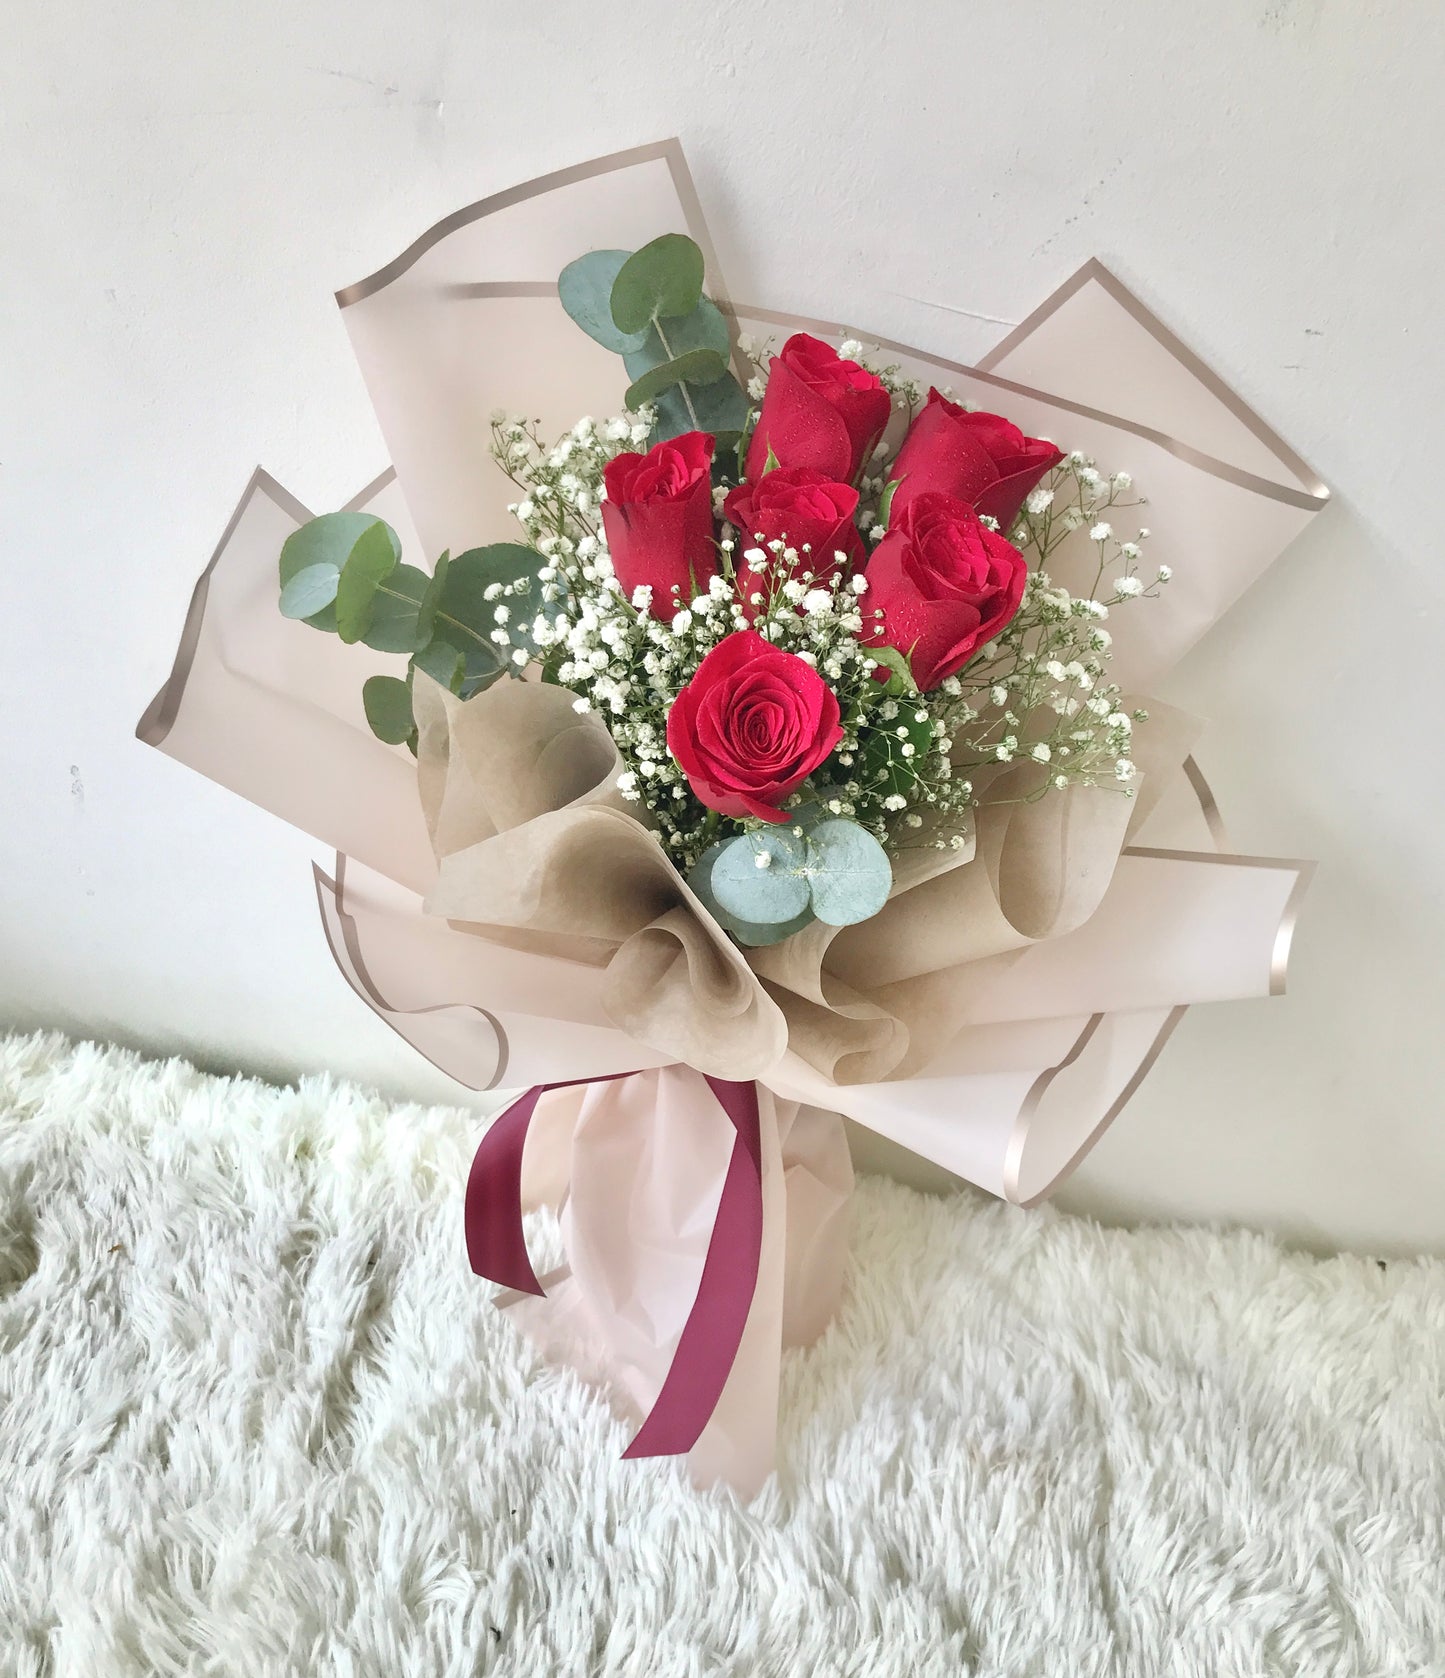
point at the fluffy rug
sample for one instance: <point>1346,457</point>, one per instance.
<point>257,1417</point>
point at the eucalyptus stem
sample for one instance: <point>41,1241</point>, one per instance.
<point>681,385</point>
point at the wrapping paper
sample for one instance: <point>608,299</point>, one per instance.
<point>521,927</point>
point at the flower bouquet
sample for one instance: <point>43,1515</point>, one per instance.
<point>780,754</point>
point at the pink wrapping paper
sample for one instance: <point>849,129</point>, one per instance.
<point>1042,1044</point>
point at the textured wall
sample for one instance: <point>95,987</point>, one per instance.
<point>181,190</point>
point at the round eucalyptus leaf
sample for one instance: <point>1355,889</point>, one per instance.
<point>703,329</point>
<point>661,280</point>
<point>387,700</point>
<point>373,557</point>
<point>697,367</point>
<point>584,288</point>
<point>760,877</point>
<point>751,933</point>
<point>394,626</point>
<point>326,540</point>
<point>309,591</point>
<point>849,872</point>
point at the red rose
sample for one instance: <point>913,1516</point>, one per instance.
<point>819,411</point>
<point>658,519</point>
<point>808,509</point>
<point>980,458</point>
<point>944,582</point>
<point>751,726</point>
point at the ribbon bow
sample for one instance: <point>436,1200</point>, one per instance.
<point>708,1344</point>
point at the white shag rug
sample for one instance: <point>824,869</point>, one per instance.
<point>257,1417</point>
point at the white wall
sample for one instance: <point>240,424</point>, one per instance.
<point>181,188</point>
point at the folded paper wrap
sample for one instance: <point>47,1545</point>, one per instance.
<point>520,925</point>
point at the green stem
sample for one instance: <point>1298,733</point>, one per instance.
<point>667,350</point>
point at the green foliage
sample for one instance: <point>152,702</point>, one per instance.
<point>395,625</point>
<point>832,870</point>
<point>761,876</point>
<point>310,591</point>
<point>342,572</point>
<point>703,329</point>
<point>585,290</point>
<point>388,709</point>
<point>443,663</point>
<point>661,281</point>
<point>720,408</point>
<point>884,764</point>
<point>467,617</point>
<point>372,559</point>
<point>900,681</point>
<point>697,367</point>
<point>648,307</point>
<point>426,615</point>
<point>327,540</point>
<point>751,933</point>
<point>885,501</point>
<point>850,873</point>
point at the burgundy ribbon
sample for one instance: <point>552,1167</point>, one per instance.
<point>708,1345</point>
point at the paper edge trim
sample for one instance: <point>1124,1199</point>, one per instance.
<point>1094,270</point>
<point>668,151</point>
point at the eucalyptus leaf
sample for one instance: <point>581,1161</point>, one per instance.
<point>697,367</point>
<point>443,663</point>
<point>661,280</point>
<point>309,591</point>
<point>431,600</point>
<point>584,288</point>
<point>372,559</point>
<point>478,680</point>
<point>751,933</point>
<point>466,618</point>
<point>718,407</point>
<point>761,877</point>
<point>395,616</point>
<point>703,329</point>
<point>756,936</point>
<point>848,871</point>
<point>325,540</point>
<point>387,700</point>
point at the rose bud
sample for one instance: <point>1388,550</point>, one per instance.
<point>658,520</point>
<point>819,411</point>
<point>803,508</point>
<point>751,726</point>
<point>980,458</point>
<point>944,582</point>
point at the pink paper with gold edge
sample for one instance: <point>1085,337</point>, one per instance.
<point>1047,1041</point>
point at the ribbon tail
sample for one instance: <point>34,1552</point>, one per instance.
<point>492,1212</point>
<point>708,1345</point>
